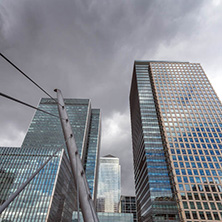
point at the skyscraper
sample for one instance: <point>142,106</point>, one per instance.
<point>109,189</point>
<point>51,194</point>
<point>45,131</point>
<point>176,123</point>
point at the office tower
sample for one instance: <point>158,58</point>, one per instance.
<point>51,195</point>
<point>108,197</point>
<point>45,131</point>
<point>128,205</point>
<point>176,124</point>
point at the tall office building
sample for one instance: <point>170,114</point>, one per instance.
<point>109,188</point>
<point>51,195</point>
<point>176,123</point>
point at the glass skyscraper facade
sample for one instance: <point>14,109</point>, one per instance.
<point>176,124</point>
<point>91,163</point>
<point>50,196</point>
<point>45,131</point>
<point>109,189</point>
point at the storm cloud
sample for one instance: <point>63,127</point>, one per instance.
<point>87,49</point>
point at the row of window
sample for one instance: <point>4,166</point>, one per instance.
<point>194,151</point>
<point>197,158</point>
<point>191,187</point>
<point>201,206</point>
<point>199,165</point>
<point>200,196</point>
<point>202,215</point>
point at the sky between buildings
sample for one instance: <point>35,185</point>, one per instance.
<point>87,49</point>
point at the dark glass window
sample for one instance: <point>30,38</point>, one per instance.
<point>185,205</point>
<point>194,215</point>
<point>206,206</point>
<point>202,215</point>
<point>219,205</point>
<point>209,216</point>
<point>203,197</point>
<point>199,206</point>
<point>187,213</point>
<point>209,196</point>
<point>190,197</point>
<point>196,196</point>
<point>216,216</point>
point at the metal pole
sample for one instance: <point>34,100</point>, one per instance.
<point>19,190</point>
<point>86,203</point>
<point>77,191</point>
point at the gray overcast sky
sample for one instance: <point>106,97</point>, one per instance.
<point>87,49</point>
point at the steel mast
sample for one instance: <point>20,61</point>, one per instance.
<point>86,203</point>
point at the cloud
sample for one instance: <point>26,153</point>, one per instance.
<point>116,140</point>
<point>87,49</point>
<point>202,45</point>
<point>14,139</point>
<point>116,126</point>
<point>216,82</point>
<point>217,2</point>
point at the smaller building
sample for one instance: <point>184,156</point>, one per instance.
<point>128,205</point>
<point>108,217</point>
<point>108,197</point>
<point>48,197</point>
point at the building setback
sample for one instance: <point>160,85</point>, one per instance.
<point>51,195</point>
<point>176,123</point>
